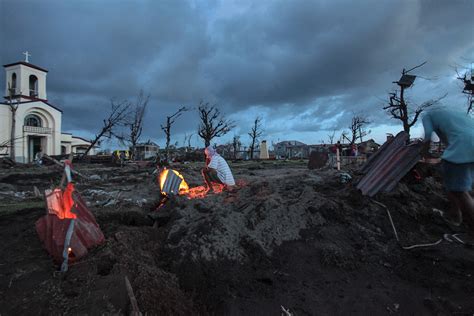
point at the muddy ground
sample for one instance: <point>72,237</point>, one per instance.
<point>287,237</point>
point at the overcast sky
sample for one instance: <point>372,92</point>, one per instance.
<point>304,66</point>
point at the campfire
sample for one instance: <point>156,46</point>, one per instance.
<point>173,183</point>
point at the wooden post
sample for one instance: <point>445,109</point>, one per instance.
<point>13,109</point>
<point>338,159</point>
<point>133,301</point>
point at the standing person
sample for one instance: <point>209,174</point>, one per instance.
<point>217,170</point>
<point>39,157</point>
<point>354,150</point>
<point>332,156</point>
<point>122,158</point>
<point>456,131</point>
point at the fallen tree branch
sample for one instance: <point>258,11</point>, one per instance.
<point>396,234</point>
<point>62,165</point>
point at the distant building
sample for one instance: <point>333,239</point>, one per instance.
<point>290,149</point>
<point>369,146</point>
<point>321,148</point>
<point>146,150</point>
<point>75,144</point>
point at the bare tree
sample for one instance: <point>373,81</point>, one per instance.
<point>331,137</point>
<point>398,108</point>
<point>213,123</point>
<point>357,128</point>
<point>13,107</point>
<point>236,145</point>
<point>468,89</point>
<point>134,122</point>
<point>170,120</point>
<point>255,133</point>
<point>187,141</point>
<point>117,116</point>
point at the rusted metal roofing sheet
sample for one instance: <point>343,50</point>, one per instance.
<point>398,141</point>
<point>52,232</point>
<point>389,165</point>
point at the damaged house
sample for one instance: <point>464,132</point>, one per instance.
<point>144,151</point>
<point>290,149</point>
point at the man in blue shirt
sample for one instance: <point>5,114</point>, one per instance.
<point>456,131</point>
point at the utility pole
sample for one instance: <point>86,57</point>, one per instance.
<point>13,109</point>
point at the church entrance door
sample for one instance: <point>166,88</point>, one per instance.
<point>34,146</point>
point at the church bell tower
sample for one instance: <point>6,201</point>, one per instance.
<point>25,81</point>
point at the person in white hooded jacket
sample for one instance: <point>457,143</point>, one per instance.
<point>217,170</point>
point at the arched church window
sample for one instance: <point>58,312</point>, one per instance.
<point>13,84</point>
<point>33,86</point>
<point>33,120</point>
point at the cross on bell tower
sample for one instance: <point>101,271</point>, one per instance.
<point>27,54</point>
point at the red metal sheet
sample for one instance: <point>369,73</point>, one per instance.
<point>52,232</point>
<point>389,165</point>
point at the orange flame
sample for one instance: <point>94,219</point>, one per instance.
<point>198,192</point>
<point>60,202</point>
<point>201,191</point>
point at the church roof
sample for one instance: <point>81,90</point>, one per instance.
<point>26,64</point>
<point>38,100</point>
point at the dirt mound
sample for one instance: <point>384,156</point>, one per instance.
<point>288,237</point>
<point>263,213</point>
<point>306,241</point>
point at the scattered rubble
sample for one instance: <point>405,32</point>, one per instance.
<point>286,241</point>
<point>94,177</point>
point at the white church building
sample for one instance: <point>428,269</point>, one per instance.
<point>38,122</point>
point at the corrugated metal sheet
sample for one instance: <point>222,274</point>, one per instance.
<point>52,232</point>
<point>389,165</point>
<point>398,141</point>
<point>172,183</point>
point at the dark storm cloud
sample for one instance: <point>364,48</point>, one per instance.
<point>305,62</point>
<point>297,51</point>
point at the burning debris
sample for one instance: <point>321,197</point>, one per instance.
<point>69,228</point>
<point>173,183</point>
